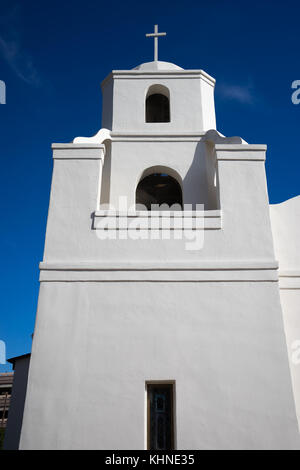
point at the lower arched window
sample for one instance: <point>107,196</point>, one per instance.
<point>159,189</point>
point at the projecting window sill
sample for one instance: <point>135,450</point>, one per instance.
<point>157,220</point>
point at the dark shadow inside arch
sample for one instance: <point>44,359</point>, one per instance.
<point>159,188</point>
<point>157,108</point>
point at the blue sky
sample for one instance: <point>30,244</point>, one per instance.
<point>53,57</point>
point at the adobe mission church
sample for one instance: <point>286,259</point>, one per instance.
<point>155,338</point>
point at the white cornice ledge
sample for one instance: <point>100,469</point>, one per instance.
<point>241,152</point>
<point>77,146</point>
<point>136,74</point>
<point>154,220</point>
<point>80,151</point>
<point>160,214</point>
<point>156,136</point>
<point>242,147</point>
<point>201,265</point>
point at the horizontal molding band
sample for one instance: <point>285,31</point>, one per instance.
<point>71,146</point>
<point>185,265</point>
<point>289,273</point>
<point>241,147</point>
<point>177,136</point>
<point>146,221</point>
<point>161,214</point>
<point>289,279</point>
<point>78,151</point>
<point>143,74</point>
<point>157,138</point>
<point>158,276</point>
<point>158,272</point>
<point>143,231</point>
<point>75,278</point>
<point>242,152</point>
<point>158,134</point>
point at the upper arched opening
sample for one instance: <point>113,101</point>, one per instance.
<point>158,104</point>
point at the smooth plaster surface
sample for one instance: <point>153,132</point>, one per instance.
<point>113,314</point>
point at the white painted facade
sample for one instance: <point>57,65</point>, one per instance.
<point>114,314</point>
<point>285,218</point>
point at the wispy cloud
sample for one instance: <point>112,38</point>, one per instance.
<point>242,93</point>
<point>19,61</point>
<point>11,50</point>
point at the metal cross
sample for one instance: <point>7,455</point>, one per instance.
<point>155,35</point>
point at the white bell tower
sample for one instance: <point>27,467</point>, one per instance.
<point>149,335</point>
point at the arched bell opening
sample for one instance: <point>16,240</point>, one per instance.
<point>159,191</point>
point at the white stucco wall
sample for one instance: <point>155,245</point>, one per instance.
<point>100,342</point>
<point>113,314</point>
<point>285,219</point>
<point>130,159</point>
<point>286,232</point>
<point>144,312</point>
<point>191,101</point>
<point>75,196</point>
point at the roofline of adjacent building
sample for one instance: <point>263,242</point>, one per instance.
<point>13,360</point>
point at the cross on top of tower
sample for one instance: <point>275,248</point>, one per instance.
<point>155,36</point>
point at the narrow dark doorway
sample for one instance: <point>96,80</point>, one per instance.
<point>160,416</point>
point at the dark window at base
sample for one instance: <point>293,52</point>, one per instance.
<point>160,416</point>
